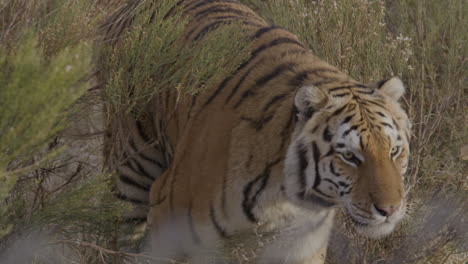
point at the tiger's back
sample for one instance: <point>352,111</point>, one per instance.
<point>216,161</point>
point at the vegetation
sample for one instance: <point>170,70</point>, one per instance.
<point>45,188</point>
<point>423,43</point>
<point>51,184</point>
<point>149,59</point>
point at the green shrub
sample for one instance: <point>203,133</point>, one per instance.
<point>150,58</point>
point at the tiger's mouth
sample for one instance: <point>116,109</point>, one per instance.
<point>357,222</point>
<point>374,228</point>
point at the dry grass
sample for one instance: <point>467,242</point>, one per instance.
<point>424,42</point>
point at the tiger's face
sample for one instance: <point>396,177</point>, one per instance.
<point>351,152</point>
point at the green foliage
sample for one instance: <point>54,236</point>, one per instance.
<point>88,208</point>
<point>84,211</point>
<point>151,57</point>
<point>35,97</point>
<point>67,23</point>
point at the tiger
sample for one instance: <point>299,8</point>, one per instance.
<point>278,146</point>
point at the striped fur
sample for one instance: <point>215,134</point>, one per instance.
<point>275,147</point>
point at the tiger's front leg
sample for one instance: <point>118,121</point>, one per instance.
<point>173,239</point>
<point>181,230</point>
<point>303,243</point>
<point>318,258</point>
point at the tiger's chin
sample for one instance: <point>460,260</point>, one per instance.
<point>374,231</point>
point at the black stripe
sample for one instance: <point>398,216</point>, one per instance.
<point>381,83</point>
<point>275,42</point>
<point>290,52</point>
<point>260,123</point>
<point>381,114</point>
<point>364,92</point>
<point>326,135</point>
<point>123,197</point>
<point>347,87</point>
<point>299,79</point>
<point>285,136</point>
<point>192,7</point>
<point>242,79</point>
<point>355,160</point>
<point>333,171</point>
<point>223,196</point>
<point>341,95</point>
<point>223,10</point>
<point>134,220</point>
<point>330,152</point>
<point>129,181</point>
<point>141,131</point>
<point>330,181</point>
<point>347,119</point>
<point>386,124</point>
<point>169,13</point>
<point>250,200</point>
<point>263,31</point>
<point>129,165</point>
<point>314,129</point>
<point>344,184</point>
<point>220,87</point>
<point>278,70</point>
<point>142,170</point>
<point>337,112</point>
<point>375,103</point>
<point>171,192</point>
<point>349,191</point>
<point>265,79</point>
<point>255,53</point>
<point>274,100</point>
<point>215,222</point>
<point>195,236</point>
<point>340,88</point>
<point>141,155</point>
<point>214,25</point>
<point>316,156</point>
<point>303,163</point>
<point>349,130</point>
<point>309,112</point>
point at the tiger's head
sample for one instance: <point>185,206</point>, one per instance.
<point>350,149</point>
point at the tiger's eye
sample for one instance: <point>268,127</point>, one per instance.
<point>348,155</point>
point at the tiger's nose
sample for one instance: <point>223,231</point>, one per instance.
<point>386,210</point>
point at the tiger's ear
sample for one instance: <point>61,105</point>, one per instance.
<point>308,100</point>
<point>392,88</point>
